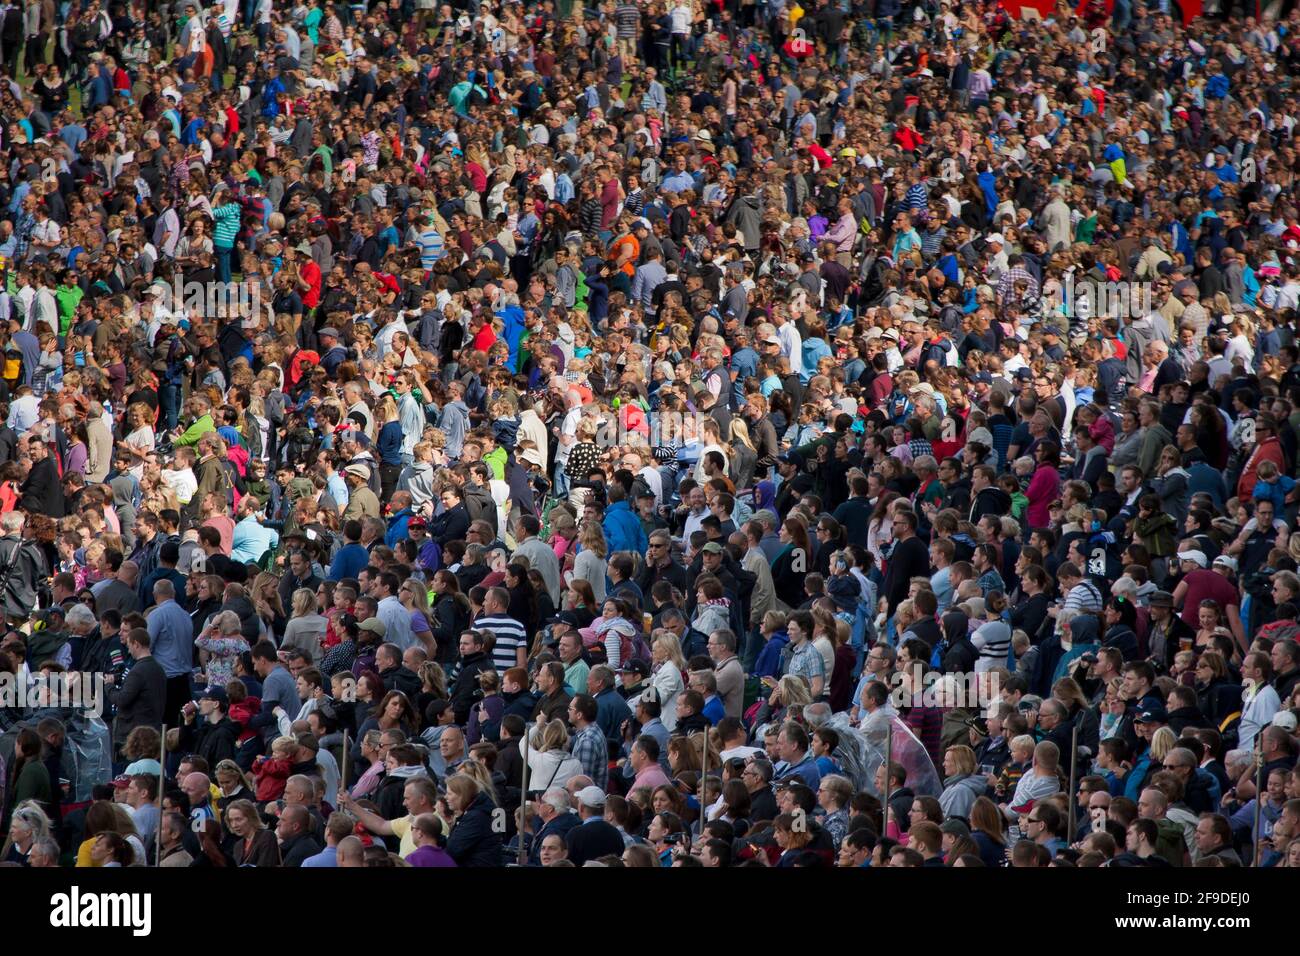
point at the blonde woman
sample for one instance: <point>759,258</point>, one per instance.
<point>474,839</point>
<point>549,762</point>
<point>139,442</point>
<point>306,628</point>
<point>1162,741</point>
<point>666,675</point>
<point>590,565</point>
<point>266,601</point>
<point>744,456</point>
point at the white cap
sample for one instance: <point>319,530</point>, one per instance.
<point>591,797</point>
<point>1196,556</point>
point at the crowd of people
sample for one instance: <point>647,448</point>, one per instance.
<point>688,433</point>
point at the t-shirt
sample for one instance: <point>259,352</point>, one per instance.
<point>403,830</point>
<point>1206,585</point>
<point>510,636</point>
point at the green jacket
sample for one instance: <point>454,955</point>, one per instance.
<point>191,435</point>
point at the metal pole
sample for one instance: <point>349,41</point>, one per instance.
<point>704,773</point>
<point>1259,789</point>
<point>523,803</point>
<point>343,770</point>
<point>1072,823</point>
<point>162,773</point>
<point>889,761</point>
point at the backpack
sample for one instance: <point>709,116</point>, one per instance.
<point>1170,842</point>
<point>633,648</point>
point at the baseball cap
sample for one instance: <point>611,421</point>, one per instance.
<point>637,666</point>
<point>1227,561</point>
<point>1286,720</point>
<point>214,693</point>
<point>1197,557</point>
<point>1155,714</point>
<point>374,626</point>
<point>591,796</point>
<point>712,547</point>
<point>955,826</point>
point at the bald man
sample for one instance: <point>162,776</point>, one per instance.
<point>294,831</point>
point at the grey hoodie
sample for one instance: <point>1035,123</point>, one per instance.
<point>455,423</point>
<point>960,795</point>
<point>417,478</point>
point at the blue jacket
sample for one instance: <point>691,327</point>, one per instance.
<point>349,562</point>
<point>623,530</point>
<point>768,663</point>
<point>397,527</point>
<point>513,318</point>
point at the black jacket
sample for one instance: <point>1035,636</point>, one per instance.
<point>990,501</point>
<point>473,840</point>
<point>213,742</point>
<point>403,679</point>
<point>592,839</point>
<point>22,568</point>
<point>139,700</point>
<point>41,492</point>
<point>294,851</point>
<point>462,694</point>
<point>450,617</point>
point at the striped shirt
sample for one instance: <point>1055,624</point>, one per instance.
<point>628,18</point>
<point>1084,597</point>
<point>432,248</point>
<point>509,635</point>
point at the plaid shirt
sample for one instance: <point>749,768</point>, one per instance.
<point>1007,283</point>
<point>592,751</point>
<point>339,658</point>
<point>23,227</point>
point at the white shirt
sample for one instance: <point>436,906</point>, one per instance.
<point>791,346</point>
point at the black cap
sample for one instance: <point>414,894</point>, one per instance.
<point>215,693</point>
<point>636,666</point>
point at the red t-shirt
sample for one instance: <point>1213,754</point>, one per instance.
<point>311,273</point>
<point>1204,585</point>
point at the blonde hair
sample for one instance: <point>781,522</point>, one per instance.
<point>669,642</point>
<point>552,735</point>
<point>592,538</point>
<point>304,602</point>
<point>795,691</point>
<point>1163,741</point>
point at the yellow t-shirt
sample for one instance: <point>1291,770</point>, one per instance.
<point>83,853</point>
<point>404,831</point>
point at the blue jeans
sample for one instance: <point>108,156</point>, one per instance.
<point>169,398</point>
<point>224,255</point>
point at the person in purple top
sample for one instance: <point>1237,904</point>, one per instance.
<point>426,831</point>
